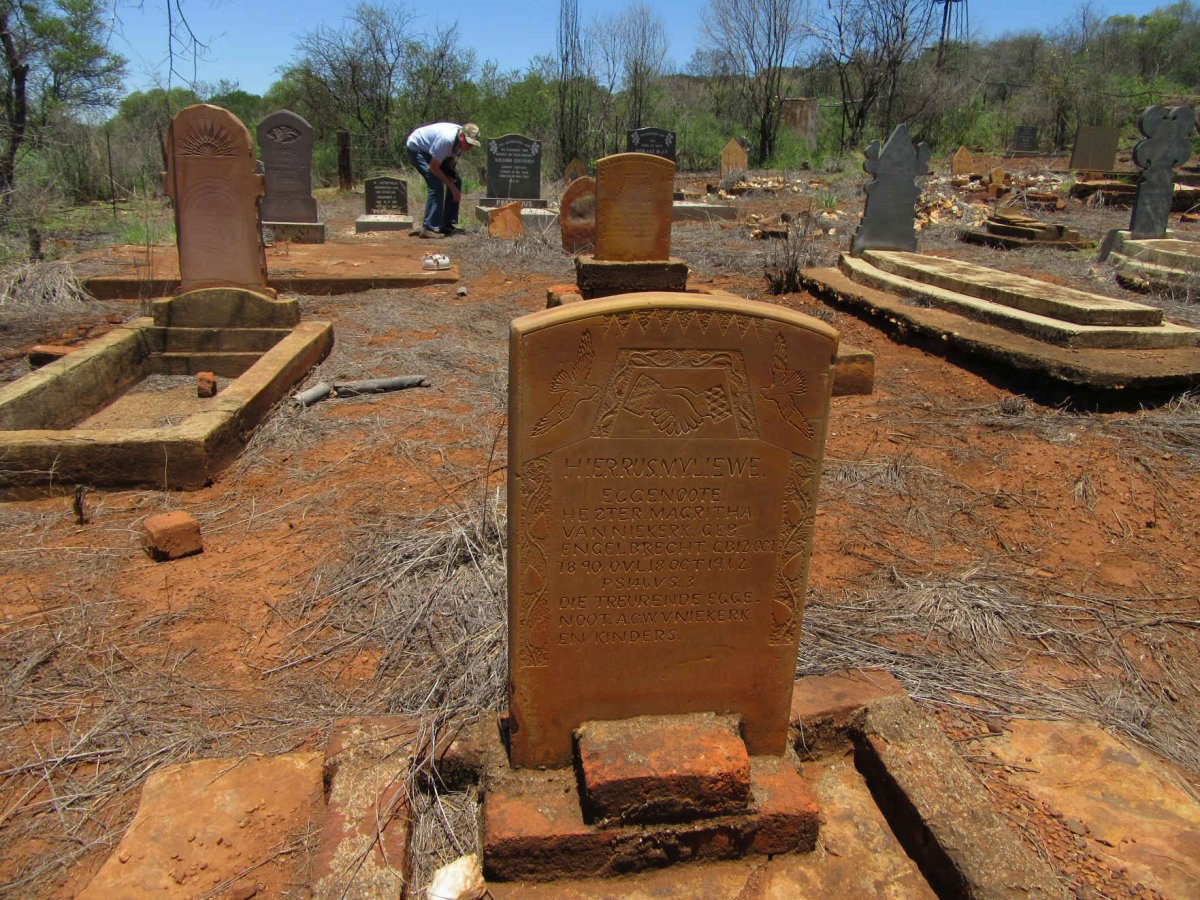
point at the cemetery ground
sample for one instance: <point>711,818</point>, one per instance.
<point>1007,558</point>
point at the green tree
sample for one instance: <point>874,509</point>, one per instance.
<point>55,60</point>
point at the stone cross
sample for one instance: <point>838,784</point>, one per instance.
<point>286,140</point>
<point>665,452</point>
<point>1166,145</point>
<point>214,189</point>
<point>887,221</point>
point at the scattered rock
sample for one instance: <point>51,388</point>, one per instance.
<point>43,354</point>
<point>459,880</point>
<point>171,535</point>
<point>461,292</point>
<point>206,384</point>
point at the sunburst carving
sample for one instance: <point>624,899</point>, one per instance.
<point>207,139</point>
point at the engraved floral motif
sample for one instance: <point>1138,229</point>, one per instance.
<point>207,139</point>
<point>787,607</point>
<point>531,581</point>
<point>786,386</point>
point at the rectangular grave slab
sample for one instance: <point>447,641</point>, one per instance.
<point>1095,148</point>
<point>664,458</point>
<point>656,141</point>
<point>514,167</point>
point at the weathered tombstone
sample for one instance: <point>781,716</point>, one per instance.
<point>802,115</point>
<point>573,171</point>
<point>288,207</point>
<point>664,459</point>
<point>505,221</point>
<point>386,194</point>
<point>214,190</point>
<point>386,205</point>
<point>734,159</point>
<point>1095,148</point>
<point>633,207</point>
<point>1025,139</point>
<point>887,220</point>
<point>514,168</point>
<point>963,163</point>
<point>656,141</point>
<point>577,215</point>
<point>1165,146</point>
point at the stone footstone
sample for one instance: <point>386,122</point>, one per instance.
<point>298,232</point>
<point>663,768</point>
<point>702,212</point>
<point>382,222</point>
<point>853,372</point>
<point>605,277</point>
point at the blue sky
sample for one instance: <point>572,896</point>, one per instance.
<point>250,41</point>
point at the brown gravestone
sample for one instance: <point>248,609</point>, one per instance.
<point>573,171</point>
<point>577,215</point>
<point>286,140</point>
<point>505,221</point>
<point>664,457</point>
<point>962,162</point>
<point>214,189</point>
<point>634,194</point>
<point>734,159</point>
<point>1095,148</point>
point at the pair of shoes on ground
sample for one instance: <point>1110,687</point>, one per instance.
<point>430,235</point>
<point>436,261</point>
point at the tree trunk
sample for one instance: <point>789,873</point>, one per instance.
<point>15,109</point>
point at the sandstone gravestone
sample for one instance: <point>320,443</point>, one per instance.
<point>385,194</point>
<point>286,140</point>
<point>963,163</point>
<point>656,141</point>
<point>1165,146</point>
<point>573,171</point>
<point>1095,148</point>
<point>664,458</point>
<point>577,215</point>
<point>514,168</point>
<point>505,221</point>
<point>802,115</point>
<point>1025,139</point>
<point>214,190</point>
<point>734,159</point>
<point>887,220</point>
<point>634,194</point>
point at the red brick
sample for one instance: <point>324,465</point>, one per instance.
<point>171,535</point>
<point>663,768</point>
<point>788,814</point>
<point>559,294</point>
<point>206,384</point>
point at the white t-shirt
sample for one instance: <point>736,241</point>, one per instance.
<point>439,140</point>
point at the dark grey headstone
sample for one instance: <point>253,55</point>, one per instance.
<point>1095,148</point>
<point>1025,139</point>
<point>286,141</point>
<point>887,221</point>
<point>386,194</point>
<point>514,167</point>
<point>651,140</point>
<point>1166,146</point>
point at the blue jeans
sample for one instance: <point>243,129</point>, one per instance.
<point>441,210</point>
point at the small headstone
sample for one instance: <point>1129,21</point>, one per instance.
<point>656,141</point>
<point>997,176</point>
<point>214,189</point>
<point>802,115</point>
<point>963,163</point>
<point>665,457</point>
<point>1166,146</point>
<point>573,171</point>
<point>734,159</point>
<point>286,140</point>
<point>887,220</point>
<point>1095,148</point>
<point>505,221</point>
<point>577,215</point>
<point>633,207</point>
<point>514,167</point>
<point>385,194</point>
<point>1025,139</point>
